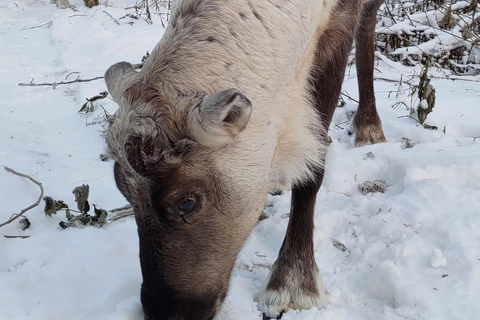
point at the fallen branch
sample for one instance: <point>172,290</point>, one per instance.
<point>48,24</point>
<point>54,84</point>
<point>18,215</point>
<point>13,237</point>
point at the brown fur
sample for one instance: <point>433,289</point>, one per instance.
<point>90,3</point>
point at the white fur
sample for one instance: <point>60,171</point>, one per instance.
<point>272,63</point>
<point>268,56</point>
<point>273,302</point>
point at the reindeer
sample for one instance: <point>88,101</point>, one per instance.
<point>234,102</point>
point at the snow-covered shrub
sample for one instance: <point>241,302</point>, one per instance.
<point>160,7</point>
<point>447,31</point>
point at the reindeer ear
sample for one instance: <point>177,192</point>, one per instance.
<point>220,117</point>
<point>118,78</point>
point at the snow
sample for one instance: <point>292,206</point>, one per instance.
<point>412,252</point>
<point>438,260</point>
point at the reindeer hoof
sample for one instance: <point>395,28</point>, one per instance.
<point>299,293</point>
<point>369,135</point>
<point>265,317</point>
<point>366,132</point>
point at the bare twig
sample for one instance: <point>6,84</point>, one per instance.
<point>13,237</point>
<point>454,79</point>
<point>405,12</point>
<point>136,7</point>
<point>388,80</point>
<point>124,208</point>
<point>348,96</point>
<point>426,126</point>
<point>114,20</point>
<point>410,117</point>
<point>345,194</point>
<point>390,13</point>
<point>54,84</point>
<point>123,212</point>
<point>73,72</point>
<point>48,24</point>
<point>18,215</point>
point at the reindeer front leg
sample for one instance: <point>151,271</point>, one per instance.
<point>294,280</point>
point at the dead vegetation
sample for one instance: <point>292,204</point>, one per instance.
<point>81,193</point>
<point>52,207</point>
<point>375,186</point>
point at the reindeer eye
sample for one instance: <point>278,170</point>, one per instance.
<point>187,205</point>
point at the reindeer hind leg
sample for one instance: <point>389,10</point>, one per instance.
<point>366,124</point>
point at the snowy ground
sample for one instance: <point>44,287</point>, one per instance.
<point>411,253</point>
